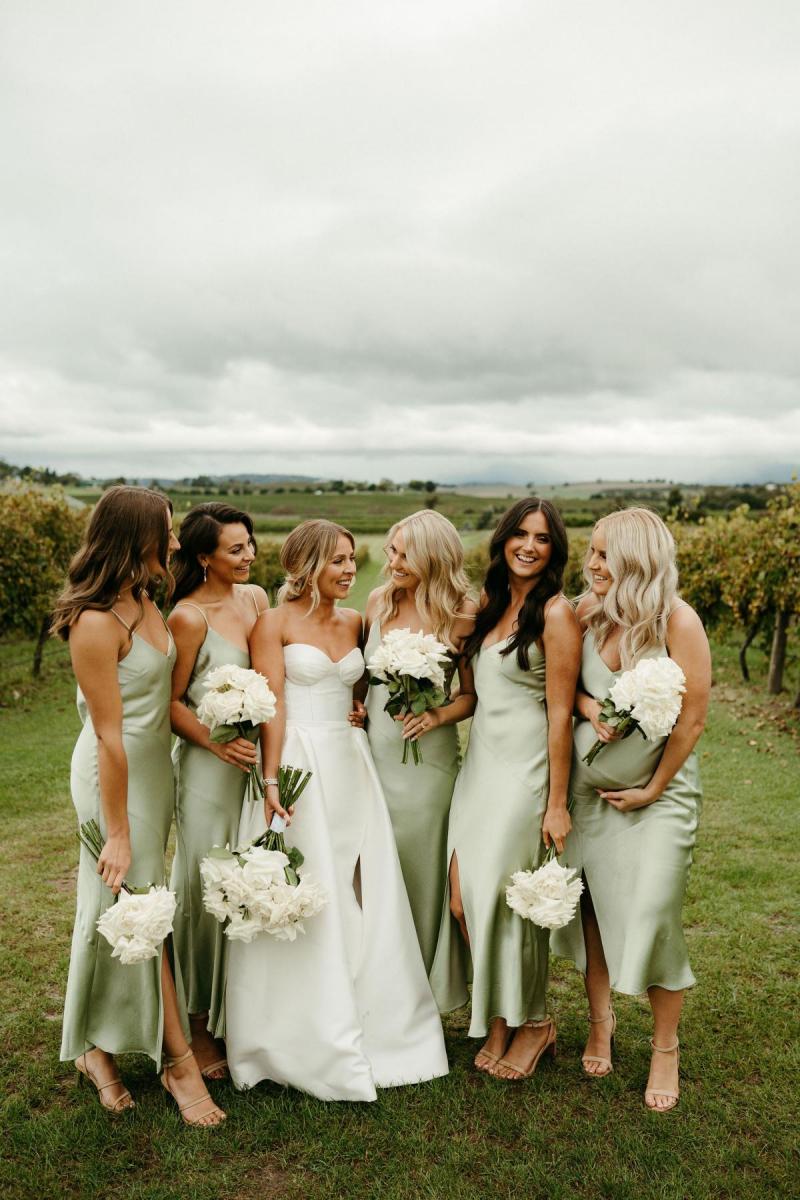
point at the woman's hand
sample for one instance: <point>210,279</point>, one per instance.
<point>628,799</point>
<point>238,753</point>
<point>115,861</point>
<point>415,726</point>
<point>358,716</point>
<point>605,733</point>
<point>555,826</point>
<point>272,805</point>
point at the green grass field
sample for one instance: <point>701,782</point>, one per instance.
<point>559,1135</point>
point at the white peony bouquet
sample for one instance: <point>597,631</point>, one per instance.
<point>412,667</point>
<point>547,896</point>
<point>260,889</point>
<point>137,923</point>
<point>237,702</point>
<point>648,698</point>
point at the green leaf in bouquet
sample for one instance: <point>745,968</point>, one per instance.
<point>220,852</point>
<point>249,731</point>
<point>295,856</point>
<point>419,705</point>
<point>437,698</point>
<point>292,877</point>
<point>223,734</point>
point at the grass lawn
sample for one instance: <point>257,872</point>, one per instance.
<point>559,1135</point>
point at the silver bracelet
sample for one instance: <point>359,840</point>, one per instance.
<point>271,782</point>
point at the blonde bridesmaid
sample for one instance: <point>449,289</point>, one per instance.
<point>510,799</point>
<point>426,590</point>
<point>211,622</point>
<point>635,809</point>
<point>122,654</point>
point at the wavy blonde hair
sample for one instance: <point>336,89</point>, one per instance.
<point>640,555</point>
<point>304,555</point>
<point>435,554</point>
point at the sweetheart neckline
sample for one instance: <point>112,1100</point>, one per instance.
<point>334,661</point>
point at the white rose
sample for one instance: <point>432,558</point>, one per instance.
<point>548,896</point>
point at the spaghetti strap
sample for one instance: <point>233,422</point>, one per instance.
<point>191,604</point>
<point>119,618</point>
<point>255,602</point>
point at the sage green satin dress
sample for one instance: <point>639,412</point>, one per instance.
<point>208,807</point>
<point>636,864</point>
<point>495,829</point>
<point>418,799</point>
<point>118,1008</point>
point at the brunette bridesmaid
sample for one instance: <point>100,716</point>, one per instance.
<point>510,799</point>
<point>635,809</point>
<point>427,591</point>
<point>122,655</point>
<point>211,622</point>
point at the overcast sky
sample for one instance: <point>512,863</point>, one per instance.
<point>465,240</point>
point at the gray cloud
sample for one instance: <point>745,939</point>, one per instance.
<point>386,236</point>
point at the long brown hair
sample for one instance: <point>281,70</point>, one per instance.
<point>497,591</point>
<point>127,523</point>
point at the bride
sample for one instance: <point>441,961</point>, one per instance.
<point>346,1008</point>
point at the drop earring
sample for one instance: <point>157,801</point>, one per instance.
<point>205,573</point>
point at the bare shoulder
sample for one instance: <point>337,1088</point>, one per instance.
<point>353,618</point>
<point>97,630</point>
<point>271,623</point>
<point>258,594</point>
<point>583,606</point>
<point>559,613</point>
<point>684,626</point>
<point>186,619</point>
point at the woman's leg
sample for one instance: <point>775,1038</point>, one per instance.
<point>495,1045</point>
<point>185,1083</point>
<point>209,1052</point>
<point>598,991</point>
<point>666,1008</point>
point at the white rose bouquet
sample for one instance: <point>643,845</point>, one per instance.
<point>548,896</point>
<point>137,923</point>
<point>412,667</point>
<point>259,889</point>
<point>237,702</point>
<point>648,698</point>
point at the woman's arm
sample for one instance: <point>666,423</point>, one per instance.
<point>562,657</point>
<point>95,643</point>
<point>266,656</point>
<point>688,646</point>
<point>188,632</point>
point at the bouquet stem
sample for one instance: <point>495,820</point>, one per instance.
<point>623,728</point>
<point>89,835</point>
<point>292,782</point>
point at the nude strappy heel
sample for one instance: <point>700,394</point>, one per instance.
<point>123,1103</point>
<point>597,1058</point>
<point>549,1047</point>
<point>673,1096</point>
<point>200,1122</point>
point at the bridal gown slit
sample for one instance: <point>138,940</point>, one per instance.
<point>346,1008</point>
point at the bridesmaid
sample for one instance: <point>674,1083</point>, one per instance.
<point>635,809</point>
<point>122,655</point>
<point>510,798</point>
<point>215,612</point>
<point>426,590</point>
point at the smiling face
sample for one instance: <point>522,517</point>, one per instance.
<point>529,548</point>
<point>402,577</point>
<point>231,561</point>
<point>338,574</point>
<point>597,565</point>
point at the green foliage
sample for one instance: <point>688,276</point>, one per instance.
<point>40,530</point>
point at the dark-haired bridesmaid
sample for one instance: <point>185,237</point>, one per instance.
<point>121,777</point>
<point>510,799</point>
<point>211,622</point>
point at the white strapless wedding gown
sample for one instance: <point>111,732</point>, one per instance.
<point>346,1008</point>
